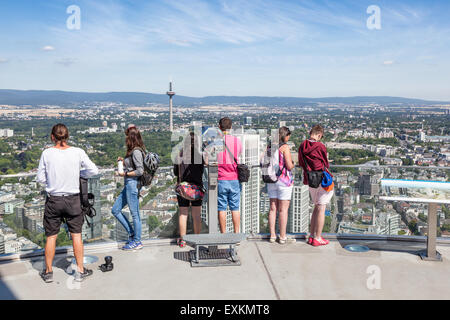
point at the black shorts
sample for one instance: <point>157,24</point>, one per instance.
<point>57,208</point>
<point>183,203</point>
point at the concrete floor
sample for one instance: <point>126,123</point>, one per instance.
<point>268,271</point>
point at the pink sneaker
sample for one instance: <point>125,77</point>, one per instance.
<point>310,240</point>
<point>321,242</point>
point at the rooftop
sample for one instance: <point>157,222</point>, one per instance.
<point>268,271</point>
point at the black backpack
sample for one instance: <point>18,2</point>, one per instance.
<point>87,201</point>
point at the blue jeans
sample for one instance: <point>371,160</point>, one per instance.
<point>130,196</point>
<point>229,193</point>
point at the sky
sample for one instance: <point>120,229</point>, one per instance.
<point>297,48</point>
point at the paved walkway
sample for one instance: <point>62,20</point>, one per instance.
<point>268,271</point>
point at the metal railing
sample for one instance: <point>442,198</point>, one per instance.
<point>109,244</point>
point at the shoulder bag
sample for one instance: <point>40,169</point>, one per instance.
<point>242,169</point>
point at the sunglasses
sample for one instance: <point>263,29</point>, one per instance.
<point>128,129</point>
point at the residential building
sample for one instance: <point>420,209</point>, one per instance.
<point>6,133</point>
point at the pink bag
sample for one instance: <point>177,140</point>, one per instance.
<point>189,191</point>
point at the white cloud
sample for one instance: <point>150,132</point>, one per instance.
<point>3,60</point>
<point>388,63</point>
<point>48,48</point>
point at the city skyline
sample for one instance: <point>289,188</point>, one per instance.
<point>262,48</point>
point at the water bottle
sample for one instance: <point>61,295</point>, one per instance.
<point>120,166</point>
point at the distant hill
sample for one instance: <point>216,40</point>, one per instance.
<point>66,98</point>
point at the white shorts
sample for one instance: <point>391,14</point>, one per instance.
<point>279,191</point>
<point>320,196</point>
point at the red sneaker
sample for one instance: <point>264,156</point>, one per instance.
<point>310,240</point>
<point>181,243</point>
<point>320,242</point>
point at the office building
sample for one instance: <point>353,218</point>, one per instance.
<point>250,195</point>
<point>120,234</point>
<point>19,214</point>
<point>2,244</point>
<point>369,184</point>
<point>298,214</point>
<point>264,203</point>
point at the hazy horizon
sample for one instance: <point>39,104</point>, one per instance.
<point>220,95</point>
<point>273,48</point>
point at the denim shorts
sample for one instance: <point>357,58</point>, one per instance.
<point>229,193</point>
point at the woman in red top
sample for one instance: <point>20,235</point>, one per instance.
<point>315,154</point>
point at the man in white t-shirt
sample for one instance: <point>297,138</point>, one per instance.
<point>59,171</point>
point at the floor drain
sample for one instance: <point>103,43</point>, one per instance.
<point>356,248</point>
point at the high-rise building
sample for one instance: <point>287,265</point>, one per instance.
<point>19,214</point>
<point>369,184</point>
<point>95,230</point>
<point>248,121</point>
<point>298,215</point>
<point>422,136</point>
<point>33,223</point>
<point>264,202</point>
<point>250,192</point>
<point>2,244</point>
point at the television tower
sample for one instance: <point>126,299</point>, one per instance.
<point>170,93</point>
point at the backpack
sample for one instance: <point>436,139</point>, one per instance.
<point>151,164</point>
<point>87,200</point>
<point>270,166</point>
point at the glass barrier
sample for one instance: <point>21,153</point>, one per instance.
<point>359,209</point>
<point>356,207</point>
